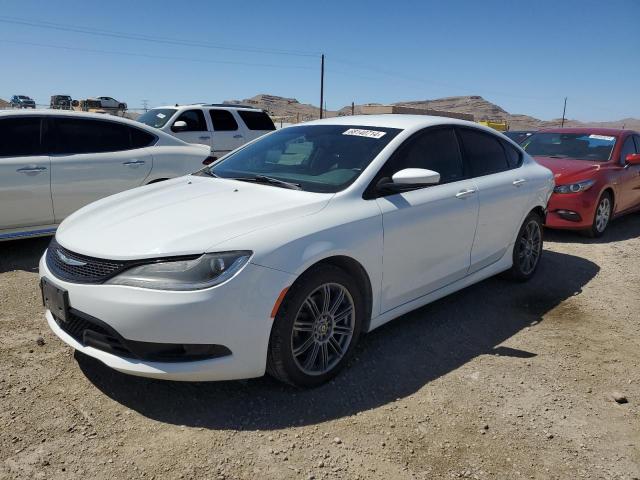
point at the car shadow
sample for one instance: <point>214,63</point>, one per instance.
<point>623,228</point>
<point>22,254</point>
<point>392,362</point>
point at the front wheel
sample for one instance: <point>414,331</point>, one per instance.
<point>601,217</point>
<point>527,249</point>
<point>316,327</point>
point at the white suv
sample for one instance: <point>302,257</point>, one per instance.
<point>223,127</point>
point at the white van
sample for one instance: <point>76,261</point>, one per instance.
<point>223,127</point>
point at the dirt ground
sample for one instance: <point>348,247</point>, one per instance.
<point>500,380</point>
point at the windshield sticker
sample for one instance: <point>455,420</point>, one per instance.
<point>358,132</point>
<point>160,115</point>
<point>602,137</point>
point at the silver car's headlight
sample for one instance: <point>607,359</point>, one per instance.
<point>195,274</point>
<point>574,187</point>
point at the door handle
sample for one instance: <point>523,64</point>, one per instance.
<point>204,137</point>
<point>520,181</point>
<point>238,136</point>
<point>31,169</point>
<point>134,162</point>
<point>465,193</point>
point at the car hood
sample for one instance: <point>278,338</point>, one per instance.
<point>182,216</point>
<point>568,170</point>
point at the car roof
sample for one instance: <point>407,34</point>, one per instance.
<point>396,120</point>
<point>216,105</point>
<point>613,132</point>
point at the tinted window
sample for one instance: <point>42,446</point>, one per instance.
<point>627,149</point>
<point>514,157</point>
<point>140,138</point>
<point>194,119</point>
<point>579,146</point>
<point>90,136</point>
<point>435,150</point>
<point>223,120</point>
<point>637,138</point>
<point>20,137</point>
<point>483,152</point>
<point>256,120</point>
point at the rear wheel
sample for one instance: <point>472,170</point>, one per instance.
<point>316,327</point>
<point>527,249</point>
<point>602,216</point>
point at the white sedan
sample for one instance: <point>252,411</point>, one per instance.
<point>280,255</point>
<point>54,162</point>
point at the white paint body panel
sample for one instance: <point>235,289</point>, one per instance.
<point>415,247</point>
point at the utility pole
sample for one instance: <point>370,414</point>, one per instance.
<point>353,108</point>
<point>564,111</point>
<point>145,105</point>
<point>321,83</point>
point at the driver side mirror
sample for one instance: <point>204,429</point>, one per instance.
<point>633,159</point>
<point>409,179</point>
<point>179,126</point>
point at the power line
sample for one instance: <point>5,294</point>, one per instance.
<point>150,38</point>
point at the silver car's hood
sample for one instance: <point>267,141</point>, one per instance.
<point>182,216</point>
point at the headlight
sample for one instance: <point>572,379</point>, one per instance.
<point>203,272</point>
<point>574,187</point>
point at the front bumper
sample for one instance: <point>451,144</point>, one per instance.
<point>235,314</point>
<point>571,211</point>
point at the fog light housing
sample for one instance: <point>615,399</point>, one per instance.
<point>569,215</point>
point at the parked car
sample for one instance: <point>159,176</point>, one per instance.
<point>61,102</point>
<point>279,256</point>
<point>519,136</point>
<point>109,103</point>
<point>53,162</point>
<point>597,172</point>
<point>22,101</point>
<point>223,127</point>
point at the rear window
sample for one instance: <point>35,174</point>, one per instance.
<point>256,120</point>
<point>158,117</point>
<point>140,138</point>
<point>20,137</point>
<point>223,121</point>
<point>578,146</point>
<point>483,152</point>
<point>514,157</point>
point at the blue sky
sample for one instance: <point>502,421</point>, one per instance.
<point>523,55</point>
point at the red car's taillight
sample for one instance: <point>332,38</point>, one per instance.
<point>209,160</point>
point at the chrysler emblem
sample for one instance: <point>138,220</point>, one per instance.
<point>70,261</point>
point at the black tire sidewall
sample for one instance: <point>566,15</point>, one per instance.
<point>281,361</point>
<point>516,271</point>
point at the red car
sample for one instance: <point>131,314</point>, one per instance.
<point>597,175</point>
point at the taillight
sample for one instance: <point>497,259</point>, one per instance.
<point>209,160</point>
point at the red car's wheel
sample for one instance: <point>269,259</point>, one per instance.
<point>602,216</point>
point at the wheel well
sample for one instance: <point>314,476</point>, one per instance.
<point>357,271</point>
<point>540,211</point>
<point>613,198</point>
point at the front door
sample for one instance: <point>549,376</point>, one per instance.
<point>25,194</point>
<point>428,232</point>
<point>628,180</point>
<point>227,135</point>
<point>196,129</point>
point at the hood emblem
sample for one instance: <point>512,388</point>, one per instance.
<point>69,261</point>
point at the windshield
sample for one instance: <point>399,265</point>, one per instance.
<point>578,146</point>
<point>158,117</point>
<point>22,97</point>
<point>317,158</point>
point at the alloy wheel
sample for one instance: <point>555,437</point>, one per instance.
<point>603,213</point>
<point>323,329</point>
<point>530,246</point>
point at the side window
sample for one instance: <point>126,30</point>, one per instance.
<point>256,120</point>
<point>627,149</point>
<point>637,139</point>
<point>20,137</point>
<point>223,121</point>
<point>483,152</point>
<point>90,136</point>
<point>435,150</point>
<point>195,121</point>
<point>140,138</point>
<point>514,157</point>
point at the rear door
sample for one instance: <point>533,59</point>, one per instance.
<point>92,159</point>
<point>25,174</point>
<point>428,232</point>
<point>503,193</point>
<point>227,134</point>
<point>197,129</point>
<point>257,123</point>
<point>629,179</point>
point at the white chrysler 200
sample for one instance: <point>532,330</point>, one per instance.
<point>280,255</point>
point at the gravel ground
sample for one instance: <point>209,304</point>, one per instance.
<point>499,380</point>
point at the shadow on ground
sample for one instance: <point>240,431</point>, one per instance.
<point>392,362</point>
<point>623,228</point>
<point>22,254</point>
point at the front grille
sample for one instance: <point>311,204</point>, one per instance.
<point>77,268</point>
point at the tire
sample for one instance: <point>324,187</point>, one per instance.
<point>601,218</point>
<point>290,358</point>
<point>527,249</point>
